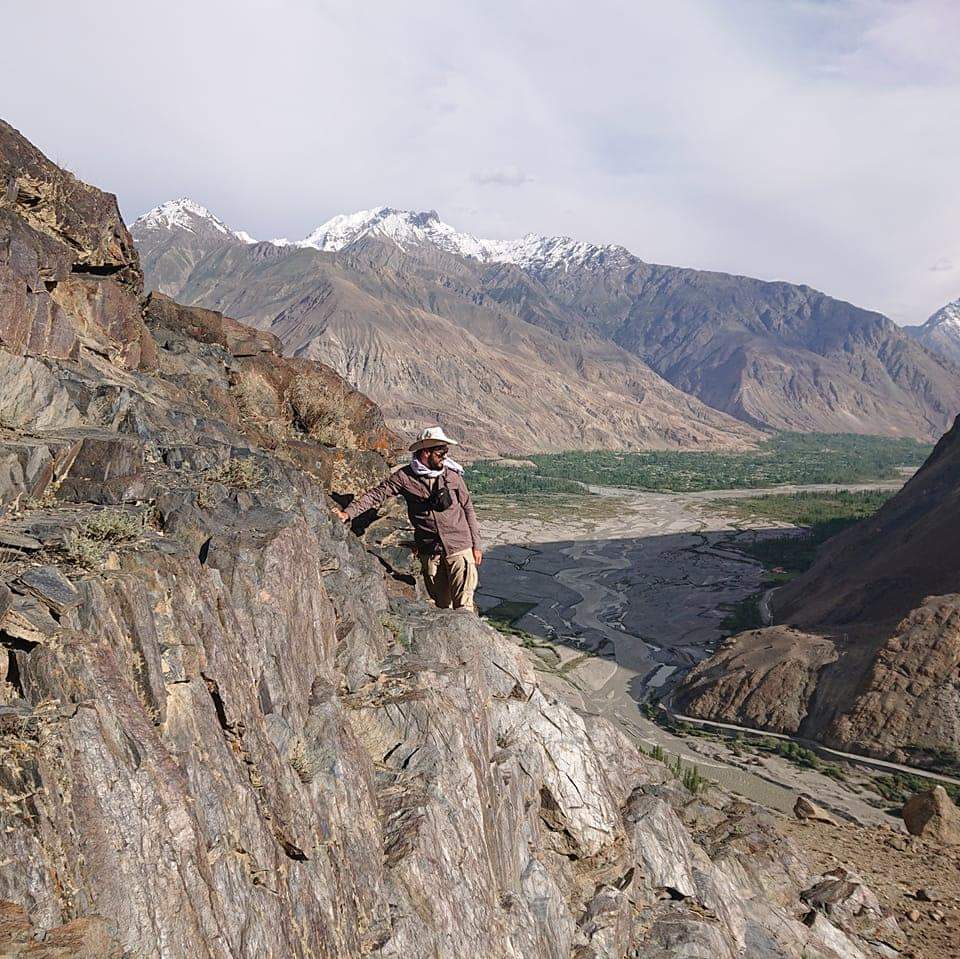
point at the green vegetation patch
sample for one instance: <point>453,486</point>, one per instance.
<point>823,514</point>
<point>491,478</point>
<point>744,614</point>
<point>786,458</point>
<point>899,787</point>
<point>689,775</point>
<point>811,508</point>
<point>508,612</point>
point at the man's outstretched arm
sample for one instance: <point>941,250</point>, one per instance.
<point>373,498</point>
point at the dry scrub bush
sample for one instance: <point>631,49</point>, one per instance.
<point>304,761</point>
<point>256,399</point>
<point>321,412</point>
<point>86,545</point>
<point>237,473</point>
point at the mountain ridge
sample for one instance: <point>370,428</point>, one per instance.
<point>941,332</point>
<point>772,355</point>
<point>405,228</point>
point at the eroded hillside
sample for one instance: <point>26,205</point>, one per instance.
<point>546,343</point>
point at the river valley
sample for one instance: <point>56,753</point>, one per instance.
<point>615,600</point>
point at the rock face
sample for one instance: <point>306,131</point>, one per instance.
<point>763,679</point>
<point>931,814</point>
<point>61,238</point>
<point>227,731</point>
<point>866,652</point>
<point>807,809</point>
<point>406,307</point>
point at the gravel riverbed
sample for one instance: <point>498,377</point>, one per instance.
<point>628,593</point>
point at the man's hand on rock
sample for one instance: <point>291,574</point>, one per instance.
<point>340,514</point>
<point>477,555</point>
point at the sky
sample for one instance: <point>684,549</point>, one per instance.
<point>814,141</point>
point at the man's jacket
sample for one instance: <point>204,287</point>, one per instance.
<point>448,531</point>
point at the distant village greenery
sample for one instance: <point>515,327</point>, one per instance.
<point>809,508</point>
<point>795,458</point>
<point>821,514</point>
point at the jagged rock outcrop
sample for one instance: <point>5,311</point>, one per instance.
<point>224,733</point>
<point>866,651</point>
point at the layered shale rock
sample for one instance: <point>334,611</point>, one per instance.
<point>228,730</point>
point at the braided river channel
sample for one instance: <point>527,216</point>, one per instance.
<point>615,601</point>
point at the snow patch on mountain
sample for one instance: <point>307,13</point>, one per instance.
<point>946,316</point>
<point>186,214</point>
<point>408,229</point>
<point>405,228</point>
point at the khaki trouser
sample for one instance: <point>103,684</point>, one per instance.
<point>450,580</point>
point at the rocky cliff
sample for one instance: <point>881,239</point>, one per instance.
<point>866,651</point>
<point>228,731</point>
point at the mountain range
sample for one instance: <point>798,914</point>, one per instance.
<point>229,731</point>
<point>549,343</point>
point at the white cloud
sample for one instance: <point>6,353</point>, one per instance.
<point>803,140</point>
<point>510,175</point>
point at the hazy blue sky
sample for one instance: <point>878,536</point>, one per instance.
<point>809,140</point>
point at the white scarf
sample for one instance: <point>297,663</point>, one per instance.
<point>426,473</point>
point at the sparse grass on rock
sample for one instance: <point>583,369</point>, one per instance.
<point>86,545</point>
<point>321,412</point>
<point>237,473</point>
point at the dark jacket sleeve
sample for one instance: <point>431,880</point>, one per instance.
<point>375,496</point>
<point>470,514</point>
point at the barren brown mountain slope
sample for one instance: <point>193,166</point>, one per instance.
<point>548,313</point>
<point>867,648</point>
<point>778,355</point>
<point>419,337</point>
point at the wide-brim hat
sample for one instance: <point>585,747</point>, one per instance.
<point>431,436</point>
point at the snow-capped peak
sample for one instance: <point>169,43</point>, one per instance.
<point>408,229</point>
<point>946,317</point>
<point>405,228</point>
<point>186,214</point>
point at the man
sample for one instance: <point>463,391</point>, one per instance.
<point>441,512</point>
